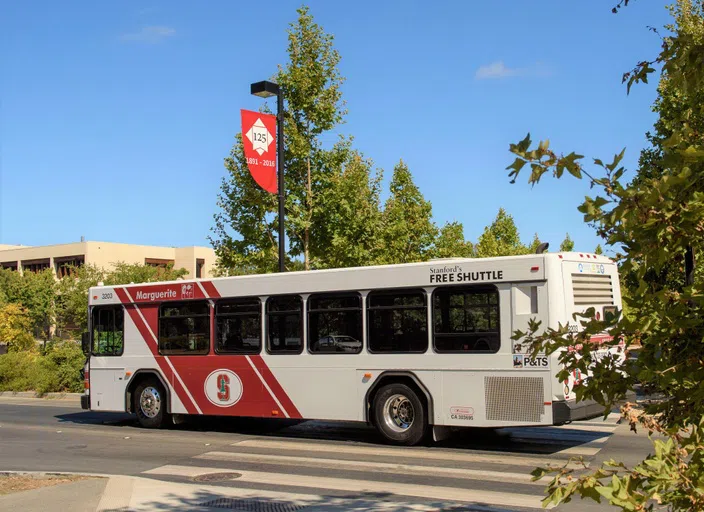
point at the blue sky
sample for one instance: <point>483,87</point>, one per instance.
<point>115,117</point>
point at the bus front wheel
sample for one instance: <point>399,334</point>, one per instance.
<point>150,403</point>
<point>400,415</point>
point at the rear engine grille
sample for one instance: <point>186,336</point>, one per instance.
<point>592,290</point>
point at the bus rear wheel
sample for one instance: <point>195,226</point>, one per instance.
<point>400,415</point>
<point>150,403</point>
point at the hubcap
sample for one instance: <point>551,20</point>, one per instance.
<point>150,402</point>
<point>398,413</point>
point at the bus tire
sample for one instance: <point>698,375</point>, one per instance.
<point>150,403</point>
<point>400,415</point>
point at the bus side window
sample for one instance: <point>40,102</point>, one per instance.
<point>335,323</point>
<point>397,321</point>
<point>108,330</point>
<point>184,328</point>
<point>238,326</point>
<point>466,319</point>
<point>284,324</point>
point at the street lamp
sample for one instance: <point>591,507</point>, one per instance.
<point>268,89</point>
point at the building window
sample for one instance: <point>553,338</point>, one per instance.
<point>9,265</point>
<point>108,328</point>
<point>155,262</point>
<point>285,324</point>
<point>200,263</point>
<point>466,319</point>
<point>398,321</point>
<point>335,323</point>
<point>238,326</point>
<point>35,265</point>
<point>68,264</point>
<point>184,328</point>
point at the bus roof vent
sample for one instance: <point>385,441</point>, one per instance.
<point>592,289</point>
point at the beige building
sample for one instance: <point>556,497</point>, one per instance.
<point>199,261</point>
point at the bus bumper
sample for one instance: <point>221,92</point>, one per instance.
<point>571,410</point>
<point>85,401</point>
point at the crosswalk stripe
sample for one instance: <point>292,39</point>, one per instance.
<point>380,467</point>
<point>361,486</point>
<point>430,454</point>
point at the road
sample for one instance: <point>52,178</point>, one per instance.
<point>488,469</point>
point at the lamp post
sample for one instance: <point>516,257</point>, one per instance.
<point>268,89</point>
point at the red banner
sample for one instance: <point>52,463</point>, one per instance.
<point>259,140</point>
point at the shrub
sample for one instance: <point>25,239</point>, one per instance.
<point>59,368</point>
<point>18,371</point>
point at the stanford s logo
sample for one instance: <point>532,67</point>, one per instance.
<point>224,385</point>
<point>223,388</point>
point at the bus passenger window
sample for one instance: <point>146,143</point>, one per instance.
<point>108,328</point>
<point>466,319</point>
<point>284,324</point>
<point>238,326</point>
<point>335,323</point>
<point>184,328</point>
<point>398,321</point>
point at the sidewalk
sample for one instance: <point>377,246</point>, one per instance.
<point>47,396</point>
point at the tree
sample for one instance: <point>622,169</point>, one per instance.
<point>598,250</point>
<point>246,224</point>
<point>500,238</point>
<point>16,328</point>
<point>450,242</point>
<point>348,217</point>
<point>664,204</point>
<point>408,229</point>
<point>35,291</point>
<point>567,244</point>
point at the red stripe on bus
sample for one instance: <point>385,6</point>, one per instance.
<point>210,289</point>
<point>147,337</point>
<point>275,387</point>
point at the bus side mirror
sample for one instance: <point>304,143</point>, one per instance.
<point>85,343</point>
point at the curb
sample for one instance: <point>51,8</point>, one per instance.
<point>39,474</point>
<point>34,394</point>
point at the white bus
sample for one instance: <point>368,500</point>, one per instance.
<point>409,348</point>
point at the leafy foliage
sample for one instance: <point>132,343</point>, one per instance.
<point>35,291</point>
<point>501,238</point>
<point>16,328</point>
<point>450,242</point>
<point>652,223</point>
<point>567,244</point>
<point>409,231</point>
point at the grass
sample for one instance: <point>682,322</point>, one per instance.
<point>10,483</point>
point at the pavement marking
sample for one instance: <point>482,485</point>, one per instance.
<point>379,467</point>
<point>408,453</point>
<point>172,496</point>
<point>360,486</point>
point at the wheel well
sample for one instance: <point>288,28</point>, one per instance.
<point>138,377</point>
<point>407,378</point>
